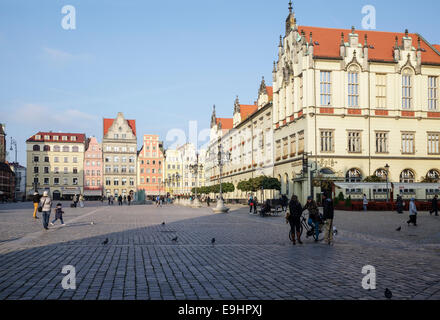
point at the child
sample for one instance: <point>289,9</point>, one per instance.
<point>58,215</point>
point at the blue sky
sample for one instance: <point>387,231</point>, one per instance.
<point>162,63</point>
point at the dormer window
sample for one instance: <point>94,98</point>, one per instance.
<point>55,138</point>
<point>73,138</point>
<point>37,137</point>
<point>64,138</point>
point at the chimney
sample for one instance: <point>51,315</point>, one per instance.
<point>342,46</point>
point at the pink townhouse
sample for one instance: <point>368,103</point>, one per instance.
<point>93,169</point>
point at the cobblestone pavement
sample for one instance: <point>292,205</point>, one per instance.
<point>252,257</point>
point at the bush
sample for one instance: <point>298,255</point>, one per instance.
<point>340,196</point>
<point>348,202</point>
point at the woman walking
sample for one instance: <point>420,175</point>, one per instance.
<point>81,201</point>
<point>36,200</point>
<point>294,218</point>
<point>412,212</point>
<point>46,205</point>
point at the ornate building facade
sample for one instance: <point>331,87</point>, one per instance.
<point>359,104</point>
<point>93,169</point>
<point>173,172</point>
<point>119,147</point>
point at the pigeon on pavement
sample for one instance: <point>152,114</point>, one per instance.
<point>174,239</point>
<point>399,229</point>
<point>105,241</point>
<point>163,223</point>
<point>388,293</point>
<point>213,240</point>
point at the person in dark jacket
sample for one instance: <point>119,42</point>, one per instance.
<point>328,215</point>
<point>120,200</point>
<point>399,204</point>
<point>294,218</point>
<point>36,200</point>
<point>58,214</point>
<point>314,218</point>
<point>434,206</point>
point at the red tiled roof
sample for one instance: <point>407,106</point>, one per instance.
<point>247,110</point>
<point>227,123</point>
<point>80,137</point>
<point>269,92</point>
<point>329,43</point>
<point>437,46</point>
<point>108,123</point>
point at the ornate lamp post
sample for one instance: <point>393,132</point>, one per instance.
<point>387,168</point>
<point>221,157</point>
<point>195,168</point>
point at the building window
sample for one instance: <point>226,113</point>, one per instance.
<point>36,159</point>
<point>116,136</point>
<point>433,143</point>
<point>285,147</point>
<point>131,169</point>
<point>381,91</point>
<point>327,140</point>
<point>301,142</point>
<point>66,159</point>
<point>115,169</point>
<point>75,149</point>
<point>36,147</point>
<point>293,145</point>
<point>354,141</point>
<point>87,183</point>
<point>66,149</point>
<point>65,181</point>
<point>75,181</point>
<point>407,176</point>
<point>46,148</point>
<point>407,142</point>
<point>301,91</point>
<point>107,182</point>
<point>124,169</point>
<point>406,91</point>
<point>278,150</point>
<point>56,148</point>
<point>123,181</point>
<point>325,88</point>
<point>56,170</point>
<point>75,160</point>
<point>381,142</point>
<point>353,176</point>
<point>66,170</point>
<point>116,182</point>
<point>56,180</point>
<point>107,169</point>
<point>353,89</point>
<point>432,93</point>
<point>131,182</point>
<point>35,169</point>
<point>46,169</point>
<point>116,159</point>
<point>75,170</point>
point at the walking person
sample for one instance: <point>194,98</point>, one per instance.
<point>434,206</point>
<point>81,201</point>
<point>58,215</point>
<point>365,202</point>
<point>46,205</point>
<point>208,200</point>
<point>120,200</point>
<point>399,204</point>
<point>250,203</point>
<point>36,200</point>
<point>294,218</point>
<point>313,220</point>
<point>128,199</point>
<point>75,200</point>
<point>109,200</point>
<point>412,212</point>
<point>328,215</point>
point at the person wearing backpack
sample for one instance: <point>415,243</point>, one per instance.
<point>36,200</point>
<point>45,207</point>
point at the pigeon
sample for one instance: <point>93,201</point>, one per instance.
<point>335,231</point>
<point>105,241</point>
<point>92,223</point>
<point>388,293</point>
<point>213,240</point>
<point>163,223</point>
<point>174,239</point>
<point>399,229</point>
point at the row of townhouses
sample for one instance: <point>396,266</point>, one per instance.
<point>346,106</point>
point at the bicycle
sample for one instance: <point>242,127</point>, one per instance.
<point>310,232</point>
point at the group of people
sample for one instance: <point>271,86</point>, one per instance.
<point>314,219</point>
<point>43,204</point>
<point>400,206</point>
<point>121,200</point>
<point>77,199</point>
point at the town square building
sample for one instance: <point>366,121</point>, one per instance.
<point>357,104</point>
<point>55,164</point>
<point>173,172</point>
<point>119,148</point>
<point>151,166</point>
<point>92,169</point>
<point>190,157</point>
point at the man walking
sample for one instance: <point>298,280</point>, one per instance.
<point>294,218</point>
<point>46,204</point>
<point>36,200</point>
<point>434,206</point>
<point>75,200</point>
<point>328,218</point>
<point>412,213</point>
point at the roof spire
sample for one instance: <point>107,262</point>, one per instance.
<point>406,33</point>
<point>311,39</point>
<point>290,6</point>
<point>342,39</point>
<point>366,41</point>
<point>274,67</point>
<point>352,29</point>
<point>396,45</point>
<point>281,41</point>
<point>419,46</point>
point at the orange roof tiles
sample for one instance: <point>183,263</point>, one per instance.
<point>227,123</point>
<point>247,110</point>
<point>269,92</point>
<point>437,46</point>
<point>329,43</point>
<point>108,123</point>
<point>80,137</point>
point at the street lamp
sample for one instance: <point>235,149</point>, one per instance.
<point>387,168</point>
<point>195,168</point>
<point>221,157</point>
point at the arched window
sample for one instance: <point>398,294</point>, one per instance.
<point>46,148</point>
<point>407,176</point>
<point>36,147</point>
<point>353,175</point>
<point>353,86</point>
<point>66,149</point>
<point>75,149</point>
<point>56,148</point>
<point>407,88</point>
<point>433,175</point>
<point>381,173</point>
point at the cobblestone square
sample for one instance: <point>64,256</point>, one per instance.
<point>252,258</point>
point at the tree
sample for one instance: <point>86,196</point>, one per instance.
<point>374,178</point>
